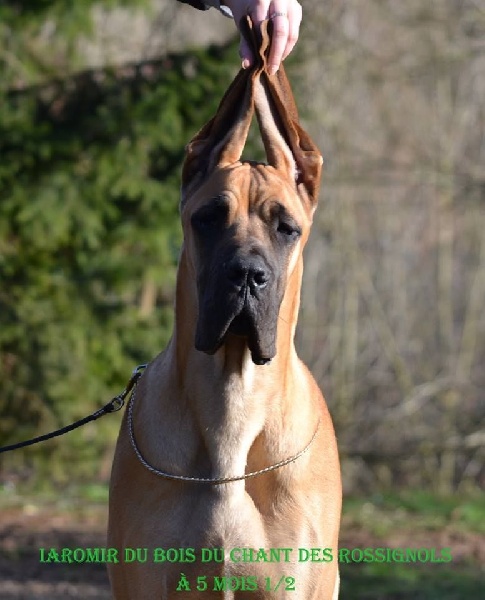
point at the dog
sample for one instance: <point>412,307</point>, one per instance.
<point>226,479</point>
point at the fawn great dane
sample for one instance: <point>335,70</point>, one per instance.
<point>226,477</point>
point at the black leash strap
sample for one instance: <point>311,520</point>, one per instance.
<point>113,405</point>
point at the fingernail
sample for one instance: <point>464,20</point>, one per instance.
<point>273,69</point>
<point>246,64</point>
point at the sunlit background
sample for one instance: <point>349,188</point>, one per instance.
<point>97,101</point>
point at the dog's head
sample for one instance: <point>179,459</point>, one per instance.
<point>245,223</point>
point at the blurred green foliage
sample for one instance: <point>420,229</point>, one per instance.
<point>89,238</point>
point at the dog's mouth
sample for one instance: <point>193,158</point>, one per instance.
<point>243,325</point>
<point>244,321</point>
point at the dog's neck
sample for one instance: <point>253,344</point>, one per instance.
<point>230,397</point>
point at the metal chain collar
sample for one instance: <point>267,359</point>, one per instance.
<point>213,481</point>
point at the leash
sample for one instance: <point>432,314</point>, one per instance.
<point>112,406</point>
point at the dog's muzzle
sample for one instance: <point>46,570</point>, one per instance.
<point>241,298</point>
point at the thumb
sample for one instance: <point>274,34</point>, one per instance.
<point>245,53</point>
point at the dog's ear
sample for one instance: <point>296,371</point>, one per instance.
<point>288,147</point>
<point>221,141</point>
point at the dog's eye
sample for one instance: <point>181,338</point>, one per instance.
<point>207,220</point>
<point>288,230</point>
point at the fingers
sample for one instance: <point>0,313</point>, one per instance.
<point>258,11</point>
<point>239,9</point>
<point>294,21</point>
<point>286,16</point>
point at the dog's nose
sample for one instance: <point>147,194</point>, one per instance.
<point>251,271</point>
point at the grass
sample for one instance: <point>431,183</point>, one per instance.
<point>383,514</point>
<point>96,493</point>
<point>415,519</point>
<point>410,582</point>
<point>76,503</point>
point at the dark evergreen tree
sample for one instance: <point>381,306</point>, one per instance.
<point>89,230</point>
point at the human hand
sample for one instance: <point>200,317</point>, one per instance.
<point>286,16</point>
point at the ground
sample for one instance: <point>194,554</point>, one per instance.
<point>24,529</point>
<point>24,577</point>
